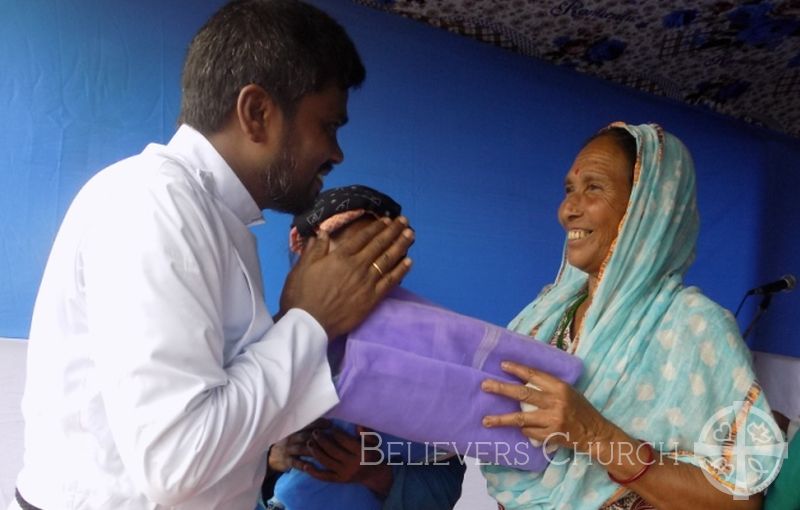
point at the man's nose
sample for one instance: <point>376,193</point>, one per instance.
<point>337,156</point>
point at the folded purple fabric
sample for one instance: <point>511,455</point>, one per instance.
<point>413,370</point>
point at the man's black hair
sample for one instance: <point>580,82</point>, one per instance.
<point>287,47</point>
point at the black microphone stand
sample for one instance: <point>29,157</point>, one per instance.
<point>762,307</point>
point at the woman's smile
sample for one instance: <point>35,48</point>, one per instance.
<point>577,234</point>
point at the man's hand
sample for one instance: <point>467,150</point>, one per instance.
<point>339,288</point>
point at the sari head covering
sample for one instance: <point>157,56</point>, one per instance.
<point>662,361</point>
<point>338,207</point>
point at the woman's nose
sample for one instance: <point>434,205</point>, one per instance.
<point>572,206</point>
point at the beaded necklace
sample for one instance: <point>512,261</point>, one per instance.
<point>566,320</point>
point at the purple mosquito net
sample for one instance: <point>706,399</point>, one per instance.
<point>414,370</point>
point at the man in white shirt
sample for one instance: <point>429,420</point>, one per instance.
<point>156,376</point>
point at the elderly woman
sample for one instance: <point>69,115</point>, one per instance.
<point>667,407</point>
<point>324,463</point>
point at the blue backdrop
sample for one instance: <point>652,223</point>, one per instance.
<point>472,140</point>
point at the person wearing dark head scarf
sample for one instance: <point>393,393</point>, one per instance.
<point>324,465</point>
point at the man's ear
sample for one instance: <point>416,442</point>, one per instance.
<point>258,114</point>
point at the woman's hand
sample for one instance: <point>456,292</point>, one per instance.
<point>343,461</point>
<point>564,417</point>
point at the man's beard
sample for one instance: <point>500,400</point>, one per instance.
<point>278,181</point>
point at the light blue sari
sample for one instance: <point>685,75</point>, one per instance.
<point>660,358</point>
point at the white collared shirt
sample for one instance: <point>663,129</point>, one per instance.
<point>156,377</point>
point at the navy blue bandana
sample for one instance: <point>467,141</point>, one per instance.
<point>338,200</point>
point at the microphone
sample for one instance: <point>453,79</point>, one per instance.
<point>785,284</point>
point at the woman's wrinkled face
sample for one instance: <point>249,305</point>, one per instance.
<point>597,188</point>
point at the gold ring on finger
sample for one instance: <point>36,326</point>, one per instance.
<point>378,269</point>
<point>520,420</point>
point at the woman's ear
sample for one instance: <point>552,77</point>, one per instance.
<point>260,118</point>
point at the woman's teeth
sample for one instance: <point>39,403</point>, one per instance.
<point>577,234</point>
